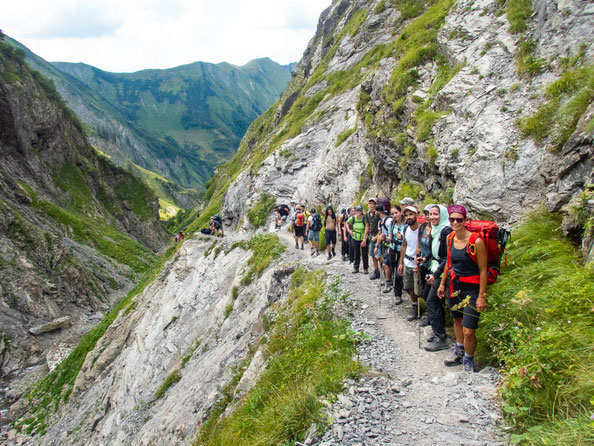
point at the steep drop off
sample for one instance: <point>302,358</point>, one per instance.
<point>75,230</point>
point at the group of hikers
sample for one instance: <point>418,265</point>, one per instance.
<point>430,254</point>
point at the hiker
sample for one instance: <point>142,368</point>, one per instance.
<point>347,230</point>
<point>216,225</point>
<point>292,210</point>
<point>374,232</point>
<point>314,225</point>
<point>359,230</point>
<point>423,259</point>
<point>407,201</point>
<point>344,244</point>
<point>383,246</point>
<point>330,225</point>
<point>395,240</point>
<point>298,224</point>
<point>406,265</point>
<point>282,212</point>
<point>440,229</point>
<point>468,286</point>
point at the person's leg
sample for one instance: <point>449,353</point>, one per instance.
<point>469,340</point>
<point>397,279</point>
<point>365,256</point>
<point>356,254</point>
<point>351,249</point>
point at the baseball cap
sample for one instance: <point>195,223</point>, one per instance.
<point>407,201</point>
<point>358,207</point>
<point>410,208</point>
<point>381,209</point>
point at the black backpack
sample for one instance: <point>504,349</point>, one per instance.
<point>316,222</point>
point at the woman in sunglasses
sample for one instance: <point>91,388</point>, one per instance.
<point>467,269</point>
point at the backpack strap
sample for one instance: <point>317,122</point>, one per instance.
<point>449,270</point>
<point>471,246</point>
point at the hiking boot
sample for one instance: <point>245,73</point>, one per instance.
<point>468,362</point>
<point>333,252</point>
<point>375,275</point>
<point>365,271</point>
<point>296,245</point>
<point>317,252</point>
<point>312,252</point>
<point>343,258</point>
<point>414,314</point>
<point>355,271</point>
<point>437,344</point>
<point>398,300</point>
<point>387,286</point>
<point>329,256</point>
<point>456,358</point>
<point>301,247</point>
<point>425,322</point>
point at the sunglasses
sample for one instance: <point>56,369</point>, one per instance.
<point>456,219</point>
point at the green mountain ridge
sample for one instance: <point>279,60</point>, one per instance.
<point>178,123</point>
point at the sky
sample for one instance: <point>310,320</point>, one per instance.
<point>130,35</point>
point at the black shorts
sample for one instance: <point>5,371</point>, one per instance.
<point>330,236</point>
<point>300,231</point>
<point>467,292</point>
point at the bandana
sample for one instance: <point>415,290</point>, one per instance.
<point>457,209</point>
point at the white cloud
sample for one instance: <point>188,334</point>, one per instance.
<point>129,35</point>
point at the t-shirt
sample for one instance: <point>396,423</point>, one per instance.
<point>385,225</point>
<point>412,240</point>
<point>310,221</point>
<point>373,220</point>
<point>396,244</point>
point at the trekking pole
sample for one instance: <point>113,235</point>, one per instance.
<point>419,307</point>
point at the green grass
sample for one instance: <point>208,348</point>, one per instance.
<point>265,248</point>
<point>518,13</point>
<point>71,179</point>
<point>345,135</point>
<point>406,189</point>
<point>539,327</point>
<point>567,99</point>
<point>49,393</point>
<point>309,354</point>
<point>259,213</point>
<point>137,195</point>
<point>171,379</point>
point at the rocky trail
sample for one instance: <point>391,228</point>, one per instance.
<point>407,396</point>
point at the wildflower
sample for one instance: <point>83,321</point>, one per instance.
<point>537,328</point>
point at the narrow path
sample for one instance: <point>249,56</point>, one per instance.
<point>408,396</point>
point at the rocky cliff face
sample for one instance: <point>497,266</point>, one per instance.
<point>75,231</point>
<point>435,102</point>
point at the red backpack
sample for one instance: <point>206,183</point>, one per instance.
<point>495,239</point>
<point>299,219</point>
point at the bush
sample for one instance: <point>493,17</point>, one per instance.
<point>540,328</point>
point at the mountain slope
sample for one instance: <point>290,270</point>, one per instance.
<point>436,99</point>
<point>75,230</point>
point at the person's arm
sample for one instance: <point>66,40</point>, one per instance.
<point>307,226</point>
<point>481,260</point>
<point>402,254</point>
<point>365,235</point>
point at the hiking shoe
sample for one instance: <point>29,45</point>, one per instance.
<point>398,300</point>
<point>302,247</point>
<point>312,252</point>
<point>333,252</point>
<point>468,362</point>
<point>329,256</point>
<point>317,253</point>
<point>365,271</point>
<point>456,358</point>
<point>375,275</point>
<point>425,322</point>
<point>387,287</point>
<point>355,271</point>
<point>343,258</point>
<point>296,245</point>
<point>413,315</point>
<point>437,344</point>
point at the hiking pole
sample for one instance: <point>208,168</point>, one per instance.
<point>419,306</point>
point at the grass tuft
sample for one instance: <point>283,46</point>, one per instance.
<point>258,214</point>
<point>265,249</point>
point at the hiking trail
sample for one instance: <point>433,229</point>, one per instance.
<point>407,396</point>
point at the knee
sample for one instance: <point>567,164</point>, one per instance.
<point>469,333</point>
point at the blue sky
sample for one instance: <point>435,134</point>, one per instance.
<point>130,35</point>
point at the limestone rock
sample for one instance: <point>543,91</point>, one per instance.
<point>52,325</point>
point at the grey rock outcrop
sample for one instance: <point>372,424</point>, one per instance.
<point>52,325</point>
<point>481,158</point>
